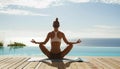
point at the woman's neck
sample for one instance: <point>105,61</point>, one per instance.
<point>55,29</point>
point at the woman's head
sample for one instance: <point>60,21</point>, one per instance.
<point>56,23</point>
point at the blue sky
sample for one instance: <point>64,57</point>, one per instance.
<point>22,20</point>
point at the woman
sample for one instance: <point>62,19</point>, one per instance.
<point>55,36</point>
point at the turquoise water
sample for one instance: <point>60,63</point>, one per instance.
<point>88,47</point>
<point>76,51</point>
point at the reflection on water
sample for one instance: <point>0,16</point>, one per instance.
<point>20,50</point>
<point>9,50</point>
<point>15,47</point>
<point>2,50</point>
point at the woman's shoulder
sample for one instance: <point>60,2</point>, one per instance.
<point>50,32</point>
<point>61,32</point>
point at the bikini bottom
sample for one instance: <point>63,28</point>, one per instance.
<point>55,56</point>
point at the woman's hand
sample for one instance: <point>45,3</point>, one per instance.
<point>78,41</point>
<point>33,41</point>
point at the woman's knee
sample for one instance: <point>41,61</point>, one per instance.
<point>41,45</point>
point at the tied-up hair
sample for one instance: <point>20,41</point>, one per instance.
<point>56,23</point>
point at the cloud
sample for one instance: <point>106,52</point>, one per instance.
<point>21,4</point>
<point>20,12</point>
<point>47,3</point>
<point>109,1</point>
<point>79,1</point>
<point>39,4</point>
<point>96,31</point>
<point>30,3</point>
<point>101,1</point>
<point>104,27</point>
<point>101,31</point>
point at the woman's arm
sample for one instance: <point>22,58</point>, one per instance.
<point>78,41</point>
<point>46,40</point>
<point>67,42</point>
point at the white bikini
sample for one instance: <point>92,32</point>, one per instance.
<point>55,39</point>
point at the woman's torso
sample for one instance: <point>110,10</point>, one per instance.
<point>56,41</point>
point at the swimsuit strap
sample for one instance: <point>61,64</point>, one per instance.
<point>55,38</point>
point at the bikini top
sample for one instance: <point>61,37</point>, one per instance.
<point>55,39</point>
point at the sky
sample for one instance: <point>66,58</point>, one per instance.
<point>23,20</point>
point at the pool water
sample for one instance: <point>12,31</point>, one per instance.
<point>76,51</point>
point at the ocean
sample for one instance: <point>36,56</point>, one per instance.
<point>88,47</point>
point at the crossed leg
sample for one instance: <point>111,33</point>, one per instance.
<point>66,50</point>
<point>59,55</point>
<point>44,50</point>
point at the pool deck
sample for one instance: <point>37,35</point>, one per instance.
<point>21,62</point>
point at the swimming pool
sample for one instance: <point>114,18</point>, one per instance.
<point>76,51</point>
